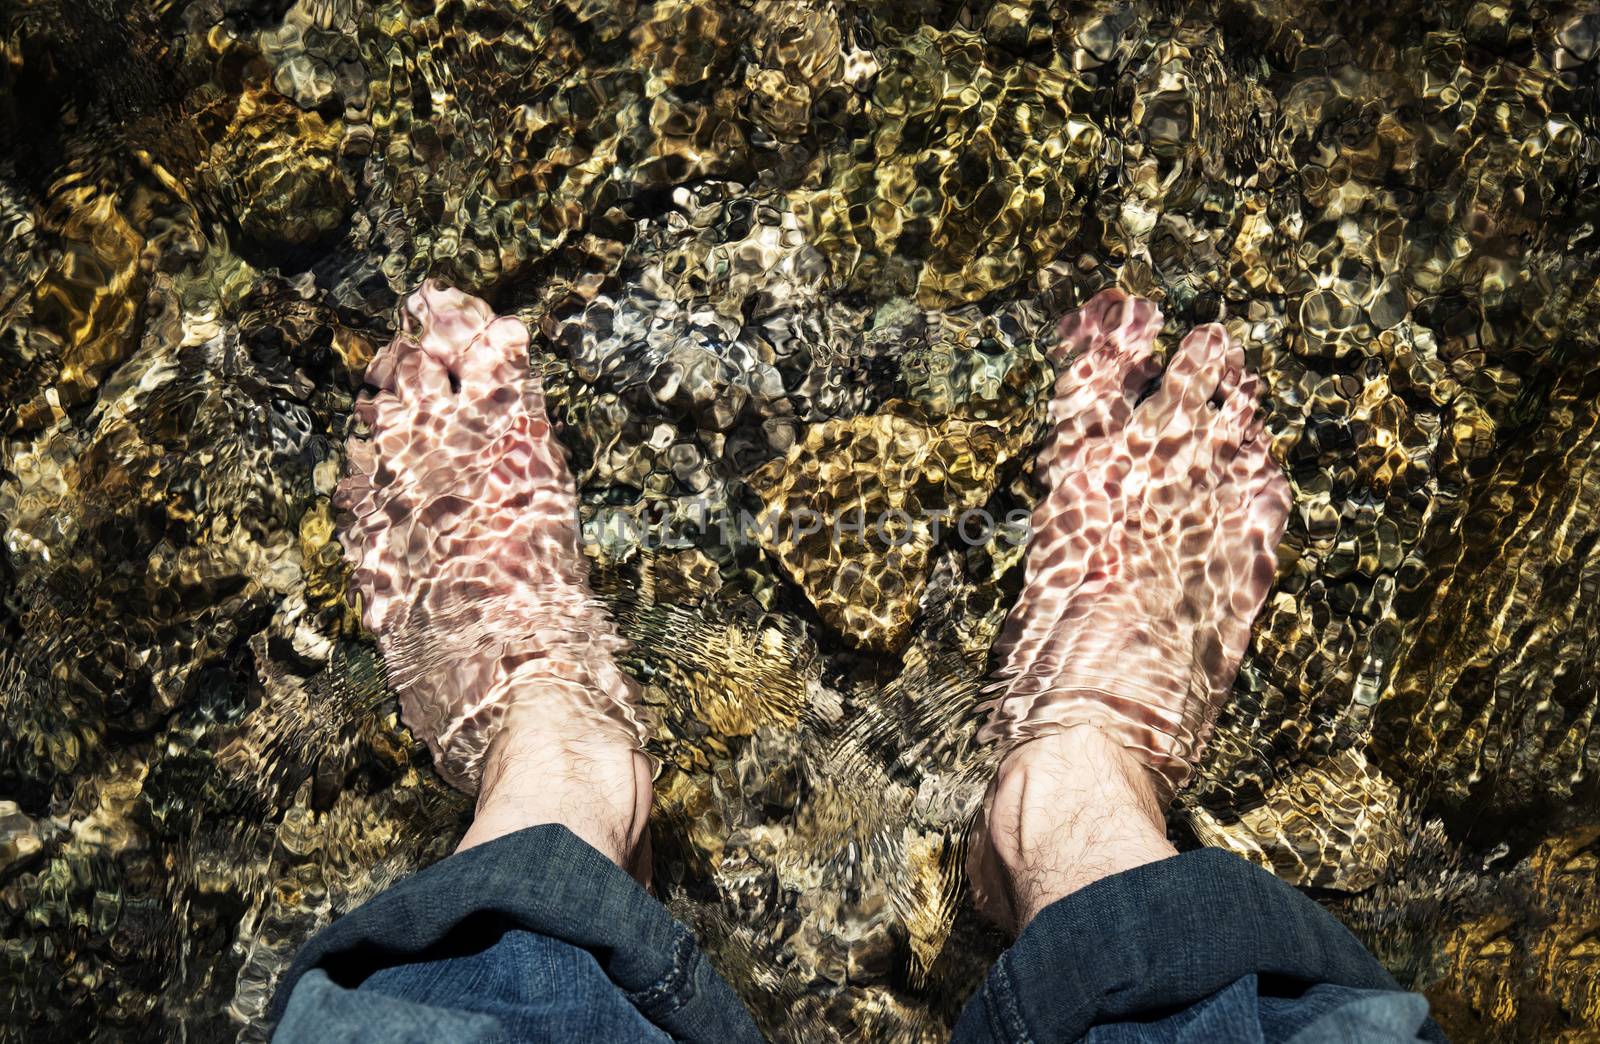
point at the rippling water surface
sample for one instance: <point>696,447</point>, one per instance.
<point>778,255</point>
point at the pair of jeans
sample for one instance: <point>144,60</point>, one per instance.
<point>537,936</point>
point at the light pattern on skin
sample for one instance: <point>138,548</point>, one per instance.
<point>1154,549</point>
<point>463,537</point>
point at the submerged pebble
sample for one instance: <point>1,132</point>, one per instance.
<point>754,243</point>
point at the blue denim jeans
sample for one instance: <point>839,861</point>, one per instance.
<point>536,936</point>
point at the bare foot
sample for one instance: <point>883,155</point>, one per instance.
<point>1153,552</point>
<point>463,536</point>
<point>1151,556</point>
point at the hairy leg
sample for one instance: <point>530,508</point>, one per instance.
<point>1065,810</point>
<point>539,771</point>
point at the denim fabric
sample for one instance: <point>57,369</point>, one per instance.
<point>536,936</point>
<point>414,962</point>
<point>521,986</point>
<point>1201,946</point>
<point>1244,1014</point>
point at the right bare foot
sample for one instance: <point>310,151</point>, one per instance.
<point>1151,556</point>
<point>1154,549</point>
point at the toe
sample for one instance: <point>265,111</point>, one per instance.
<point>1134,325</point>
<point>1234,373</point>
<point>1234,368</point>
<point>1179,421</point>
<point>352,499</point>
<point>1103,345</point>
<point>419,377</point>
<point>1063,453</point>
<point>1193,377</point>
<point>1111,315</point>
<point>1234,420</point>
<point>361,459</point>
<point>1113,337</point>
<point>1082,328</point>
<point>497,357</point>
<point>381,371</point>
<point>367,408</point>
<point>1251,532</point>
<point>1272,501</point>
<point>1241,476</point>
<point>533,396</point>
<point>445,321</point>
<point>1257,495</point>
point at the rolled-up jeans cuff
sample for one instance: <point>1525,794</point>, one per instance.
<point>546,880</point>
<point>1161,937</point>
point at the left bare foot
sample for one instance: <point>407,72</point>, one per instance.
<point>464,539</point>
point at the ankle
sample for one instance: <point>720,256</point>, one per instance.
<point>1066,810</point>
<point>598,786</point>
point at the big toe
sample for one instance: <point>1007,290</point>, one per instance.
<point>419,377</point>
<point>444,321</point>
<point>1114,338</point>
<point>1236,418</point>
<point>1110,316</point>
<point>1108,341</point>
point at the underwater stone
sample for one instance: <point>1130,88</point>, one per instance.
<point>1417,181</point>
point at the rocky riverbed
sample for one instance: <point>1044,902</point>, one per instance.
<point>775,255</point>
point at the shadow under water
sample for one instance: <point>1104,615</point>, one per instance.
<point>778,254</point>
